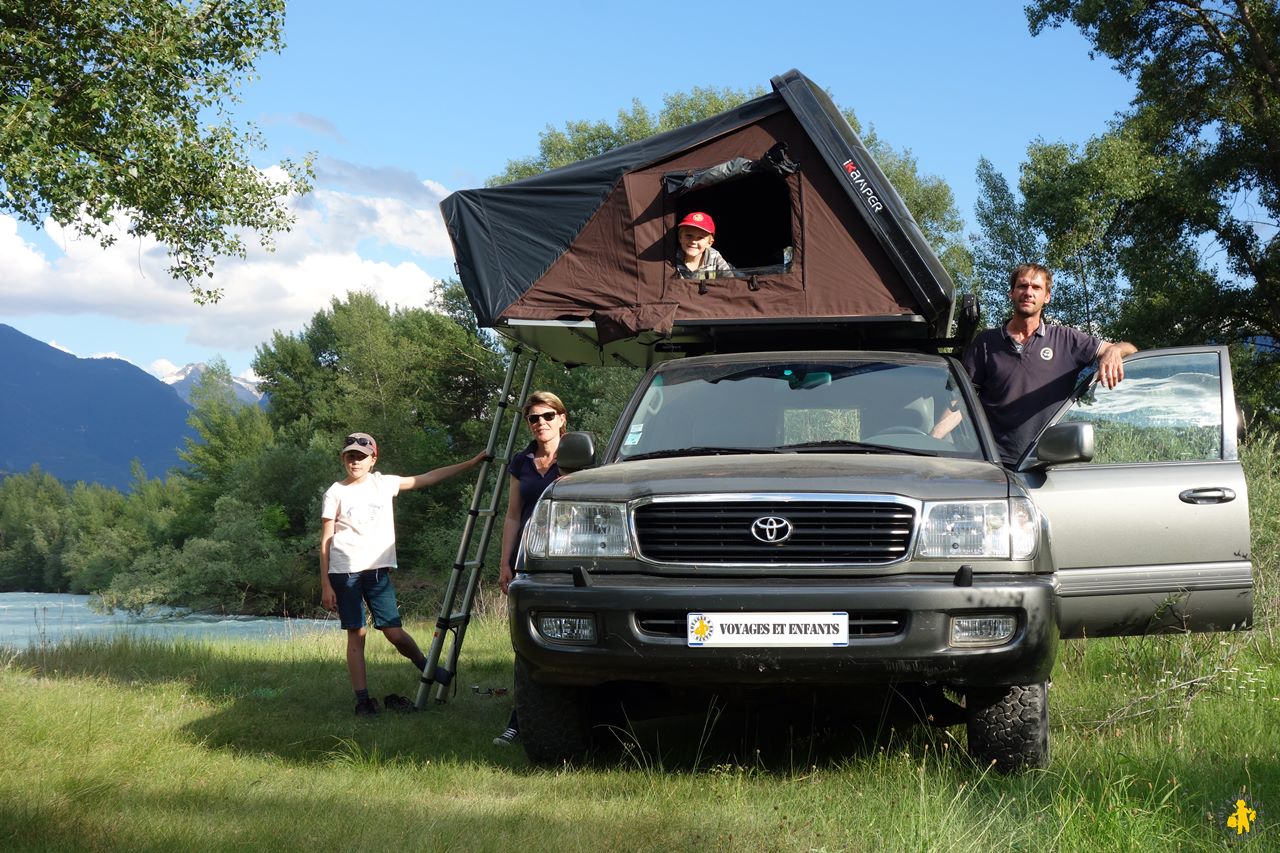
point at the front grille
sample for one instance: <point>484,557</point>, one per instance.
<point>867,625</point>
<point>866,533</point>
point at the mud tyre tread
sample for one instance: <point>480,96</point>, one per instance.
<point>555,725</point>
<point>1008,726</point>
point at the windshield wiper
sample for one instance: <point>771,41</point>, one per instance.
<point>699,451</point>
<point>840,445</point>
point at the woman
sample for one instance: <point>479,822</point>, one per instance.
<point>531,470</point>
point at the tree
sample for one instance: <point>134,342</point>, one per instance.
<point>1007,238</point>
<point>119,108</point>
<point>33,524</point>
<point>1199,238</point>
<point>229,431</point>
<point>1070,199</point>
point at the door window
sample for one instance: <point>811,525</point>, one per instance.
<point>1167,409</point>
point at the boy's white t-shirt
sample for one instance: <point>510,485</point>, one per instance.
<point>364,528</point>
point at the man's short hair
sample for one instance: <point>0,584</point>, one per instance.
<point>1036,268</point>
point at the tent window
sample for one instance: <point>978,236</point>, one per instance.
<point>750,202</point>
<point>753,221</point>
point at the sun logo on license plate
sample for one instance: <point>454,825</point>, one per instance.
<point>701,629</point>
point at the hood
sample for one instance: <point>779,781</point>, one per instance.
<point>917,477</point>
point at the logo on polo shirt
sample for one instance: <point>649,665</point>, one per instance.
<point>1046,354</point>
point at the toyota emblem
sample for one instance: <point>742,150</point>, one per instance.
<point>771,529</point>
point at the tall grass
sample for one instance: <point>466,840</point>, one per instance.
<point>127,744</point>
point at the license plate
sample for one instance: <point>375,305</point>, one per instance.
<point>769,630</point>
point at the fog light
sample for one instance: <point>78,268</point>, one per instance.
<point>982,630</point>
<point>565,628</point>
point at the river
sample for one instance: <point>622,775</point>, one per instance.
<point>36,618</point>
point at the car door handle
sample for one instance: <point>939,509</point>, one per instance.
<point>1215,495</point>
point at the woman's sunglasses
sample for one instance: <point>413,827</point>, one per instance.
<point>545,416</point>
<point>363,442</point>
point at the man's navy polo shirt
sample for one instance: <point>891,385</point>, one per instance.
<point>1020,390</point>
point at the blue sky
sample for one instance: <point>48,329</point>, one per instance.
<point>404,102</point>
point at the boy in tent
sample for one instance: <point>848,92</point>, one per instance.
<point>696,233</point>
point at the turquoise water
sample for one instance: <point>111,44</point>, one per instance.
<point>36,618</point>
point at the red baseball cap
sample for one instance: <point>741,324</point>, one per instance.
<point>699,220</point>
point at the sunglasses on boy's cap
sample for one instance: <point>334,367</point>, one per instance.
<point>546,416</point>
<point>360,442</point>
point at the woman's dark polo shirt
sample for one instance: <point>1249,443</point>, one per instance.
<point>1020,390</point>
<point>531,485</point>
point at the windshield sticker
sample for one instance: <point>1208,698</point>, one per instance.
<point>863,187</point>
<point>633,435</point>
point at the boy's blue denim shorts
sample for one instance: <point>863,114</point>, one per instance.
<point>372,587</point>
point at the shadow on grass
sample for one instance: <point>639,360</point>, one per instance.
<point>293,700</point>
<point>769,732</point>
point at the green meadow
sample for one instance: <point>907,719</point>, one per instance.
<point>128,744</point>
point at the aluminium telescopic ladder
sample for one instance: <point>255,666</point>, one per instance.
<point>452,623</point>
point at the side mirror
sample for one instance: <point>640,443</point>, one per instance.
<point>1063,443</point>
<point>577,451</point>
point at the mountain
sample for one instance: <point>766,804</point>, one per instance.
<point>186,378</point>
<point>84,418</point>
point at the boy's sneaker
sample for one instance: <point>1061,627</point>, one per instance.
<point>395,702</point>
<point>506,738</point>
<point>366,707</point>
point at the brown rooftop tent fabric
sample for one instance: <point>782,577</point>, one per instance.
<point>801,210</point>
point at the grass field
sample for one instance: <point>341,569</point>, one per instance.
<point>207,745</point>
<point>253,745</point>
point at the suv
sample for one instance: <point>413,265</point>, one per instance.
<point>814,519</point>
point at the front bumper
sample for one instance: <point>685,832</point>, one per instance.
<point>640,627</point>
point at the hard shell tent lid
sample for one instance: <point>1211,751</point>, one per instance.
<point>580,262</point>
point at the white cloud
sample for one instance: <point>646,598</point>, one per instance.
<point>318,260</point>
<point>59,346</point>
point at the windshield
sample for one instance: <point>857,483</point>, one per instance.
<point>857,406</point>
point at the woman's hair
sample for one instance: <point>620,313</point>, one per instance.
<point>546,398</point>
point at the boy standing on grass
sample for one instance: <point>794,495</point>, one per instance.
<point>357,552</point>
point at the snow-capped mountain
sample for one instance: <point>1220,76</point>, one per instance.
<point>186,378</point>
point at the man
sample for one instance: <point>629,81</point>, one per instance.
<point>1025,369</point>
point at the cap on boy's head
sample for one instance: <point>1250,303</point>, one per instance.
<point>360,442</point>
<point>699,220</point>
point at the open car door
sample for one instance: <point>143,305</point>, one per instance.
<point>1152,535</point>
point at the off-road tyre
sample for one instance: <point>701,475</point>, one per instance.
<point>1009,726</point>
<point>555,723</point>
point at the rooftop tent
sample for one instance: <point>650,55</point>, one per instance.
<point>579,262</point>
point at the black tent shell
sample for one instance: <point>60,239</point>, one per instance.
<point>576,262</point>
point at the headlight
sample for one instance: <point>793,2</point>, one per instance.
<point>573,529</point>
<point>1006,529</point>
